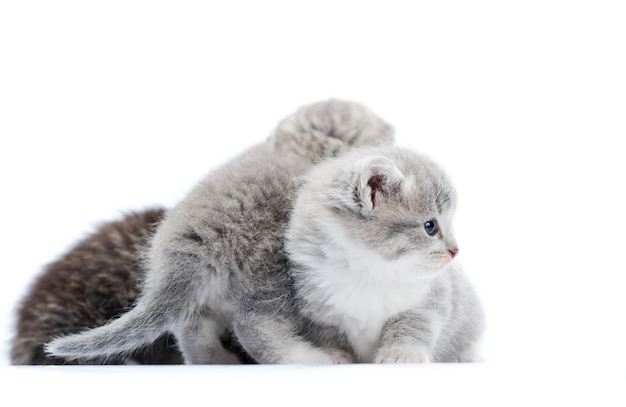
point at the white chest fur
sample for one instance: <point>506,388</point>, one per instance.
<point>359,290</point>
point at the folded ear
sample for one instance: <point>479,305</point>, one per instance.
<point>378,178</point>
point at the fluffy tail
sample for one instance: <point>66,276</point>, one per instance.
<point>322,129</point>
<point>140,326</point>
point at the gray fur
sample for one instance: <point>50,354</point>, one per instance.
<point>365,270</point>
<point>219,254</point>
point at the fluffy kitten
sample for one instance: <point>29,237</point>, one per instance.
<point>221,247</point>
<point>371,247</point>
<point>96,280</point>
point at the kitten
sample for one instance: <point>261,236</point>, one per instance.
<point>370,277</point>
<point>221,247</point>
<point>96,280</point>
<point>371,245</point>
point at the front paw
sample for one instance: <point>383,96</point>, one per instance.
<point>310,355</point>
<point>340,357</point>
<point>404,354</point>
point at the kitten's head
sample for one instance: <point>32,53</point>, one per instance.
<point>393,202</point>
<point>323,129</point>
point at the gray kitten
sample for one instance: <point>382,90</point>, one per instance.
<point>371,278</point>
<point>373,266</point>
<point>219,251</point>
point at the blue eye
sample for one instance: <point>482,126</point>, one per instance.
<point>431,227</point>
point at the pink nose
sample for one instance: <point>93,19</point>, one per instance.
<point>453,251</point>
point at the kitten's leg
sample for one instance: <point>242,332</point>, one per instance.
<point>471,353</point>
<point>200,342</point>
<point>409,337</point>
<point>271,339</point>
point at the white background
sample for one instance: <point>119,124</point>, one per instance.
<point>112,106</point>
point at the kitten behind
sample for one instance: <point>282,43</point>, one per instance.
<point>96,280</point>
<point>222,243</point>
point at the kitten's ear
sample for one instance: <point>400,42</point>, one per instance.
<point>379,177</point>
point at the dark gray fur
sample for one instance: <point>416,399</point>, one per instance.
<point>95,281</point>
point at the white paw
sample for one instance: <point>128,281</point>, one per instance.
<point>340,357</point>
<point>470,355</point>
<point>308,355</point>
<point>402,355</point>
